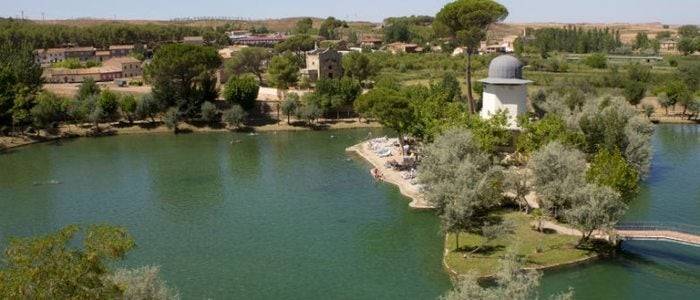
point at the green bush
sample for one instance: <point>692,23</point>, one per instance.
<point>235,116</point>
<point>242,91</point>
<point>210,113</point>
<point>596,61</point>
<point>609,168</point>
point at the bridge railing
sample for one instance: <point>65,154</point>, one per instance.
<point>659,226</point>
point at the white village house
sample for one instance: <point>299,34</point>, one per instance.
<point>505,89</point>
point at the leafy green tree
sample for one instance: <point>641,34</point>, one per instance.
<point>147,107</point>
<point>358,66</point>
<point>693,108</point>
<point>612,123</point>
<point>453,167</point>
<point>284,71</point>
<point>687,46</point>
<point>333,94</point>
<point>638,72</point>
<point>242,91</point>
<point>641,41</point>
<point>397,31</point>
<point>353,38</point>
<point>573,39</point>
<point>329,26</point>
<point>74,111</point>
<point>171,119</point>
<point>235,116</point>
<point>311,107</point>
<point>539,215</point>
<point>557,170</point>
<point>597,60</point>
<point>536,134</point>
<point>491,232</point>
<point>595,208</point>
<point>609,168</point>
<point>450,86</point>
<point>290,105</point>
<point>248,60</point>
<point>88,88</point>
<point>389,107</point>
<point>182,75</point>
<point>108,102</point>
<point>50,267</point>
<point>20,80</point>
<point>664,101</point>
<point>690,75</point>
<point>466,22</point>
<point>127,106</point>
<point>517,182</point>
<point>304,26</point>
<point>210,113</point>
<point>634,92</point>
<point>297,44</point>
<point>48,110</point>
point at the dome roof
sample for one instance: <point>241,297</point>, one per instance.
<point>505,69</point>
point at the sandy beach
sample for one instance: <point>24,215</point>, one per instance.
<point>390,175</point>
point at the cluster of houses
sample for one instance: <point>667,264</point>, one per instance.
<point>115,61</point>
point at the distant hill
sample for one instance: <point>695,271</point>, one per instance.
<point>628,30</point>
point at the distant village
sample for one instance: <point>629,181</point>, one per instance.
<point>117,62</point>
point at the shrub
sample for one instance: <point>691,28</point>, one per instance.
<point>596,61</point>
<point>235,116</point>
<point>242,91</point>
<point>147,107</point>
<point>171,119</point>
<point>128,105</point>
<point>108,102</point>
<point>210,113</point>
<point>143,283</point>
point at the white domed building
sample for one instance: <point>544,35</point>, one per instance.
<point>505,90</point>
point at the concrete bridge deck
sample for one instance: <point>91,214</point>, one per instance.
<point>675,233</point>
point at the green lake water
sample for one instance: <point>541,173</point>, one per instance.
<point>291,215</point>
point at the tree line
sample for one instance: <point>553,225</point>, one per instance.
<point>41,36</point>
<point>569,39</point>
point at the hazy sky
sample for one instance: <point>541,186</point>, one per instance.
<point>666,11</point>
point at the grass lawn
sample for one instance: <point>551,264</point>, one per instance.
<point>555,248</point>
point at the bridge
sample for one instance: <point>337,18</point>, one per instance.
<point>669,232</point>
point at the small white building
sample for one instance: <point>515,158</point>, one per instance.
<point>505,90</point>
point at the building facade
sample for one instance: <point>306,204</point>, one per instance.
<point>121,67</point>
<point>396,48</point>
<point>120,50</point>
<point>80,53</point>
<point>323,64</point>
<point>49,56</point>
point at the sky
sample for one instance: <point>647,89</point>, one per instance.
<point>567,11</point>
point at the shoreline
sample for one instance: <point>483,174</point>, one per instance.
<point>392,176</point>
<point>454,275</point>
<point>70,132</point>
